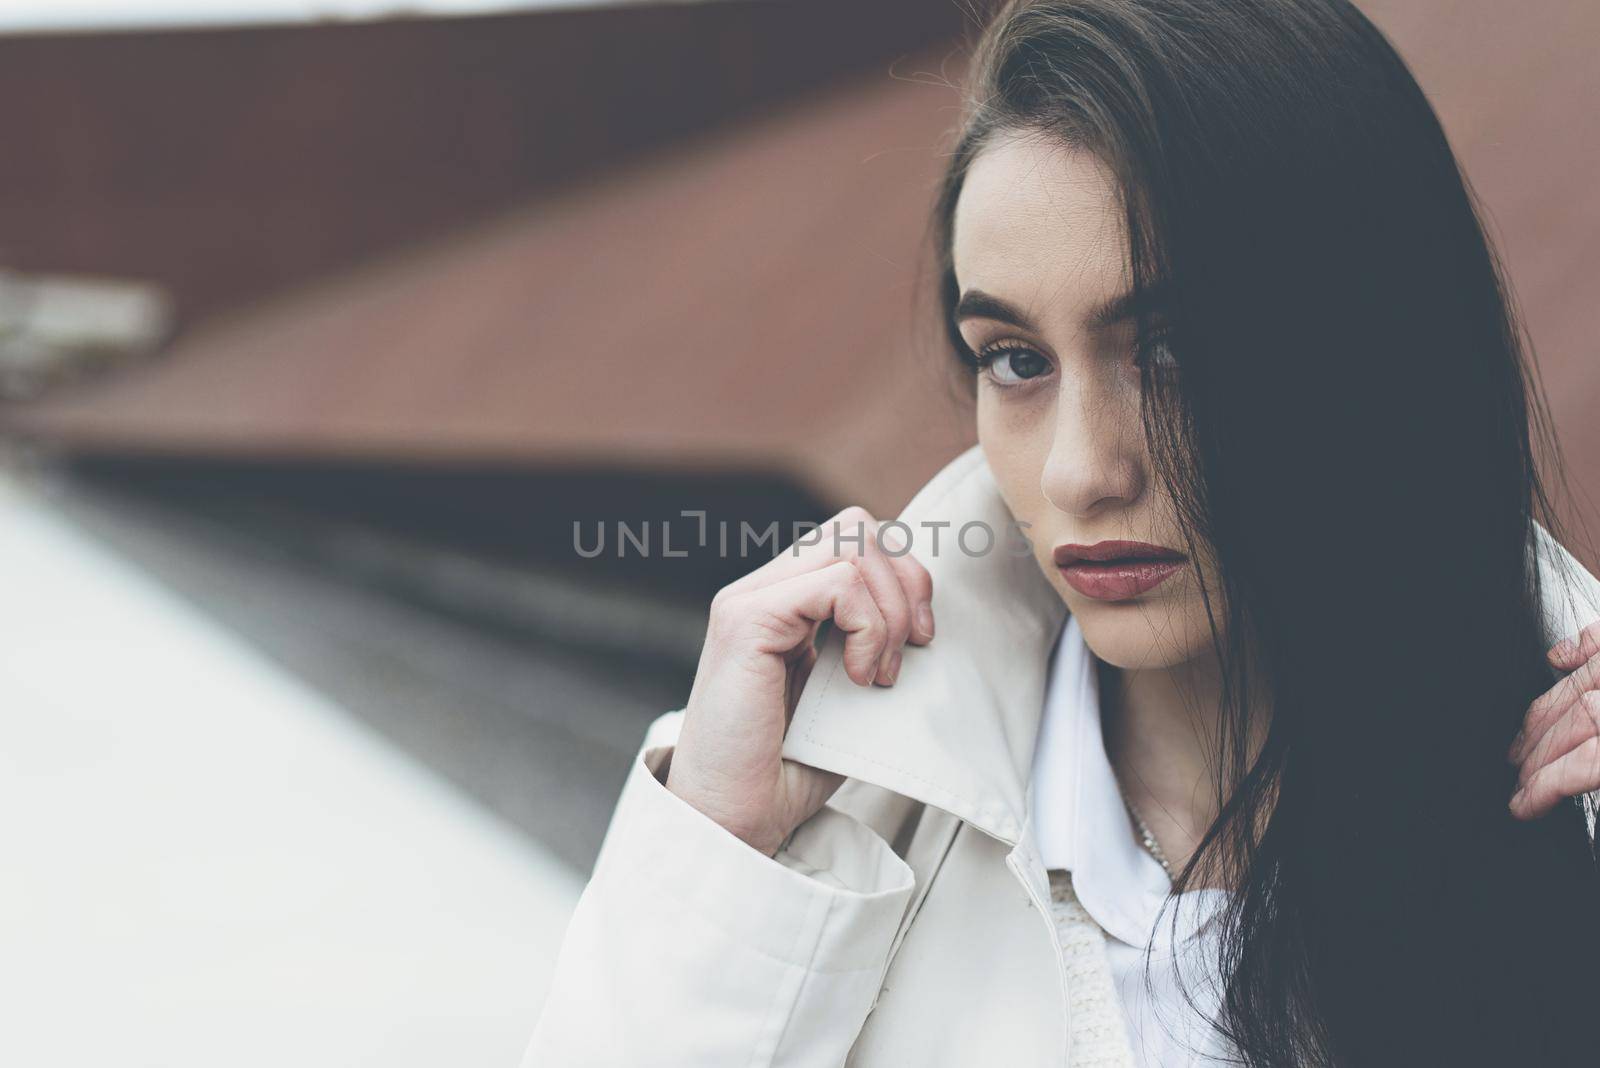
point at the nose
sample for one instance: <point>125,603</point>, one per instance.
<point>1097,456</point>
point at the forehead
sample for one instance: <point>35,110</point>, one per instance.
<point>1039,223</point>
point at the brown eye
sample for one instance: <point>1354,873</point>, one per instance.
<point>1011,365</point>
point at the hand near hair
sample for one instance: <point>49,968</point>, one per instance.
<point>1558,749</point>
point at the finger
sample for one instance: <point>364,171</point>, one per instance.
<point>1581,722</point>
<point>837,592</point>
<point>1575,773</point>
<point>836,538</point>
<point>1568,653</point>
<point>856,612</point>
<point>1550,705</point>
<point>798,674</point>
<point>883,580</point>
<point>850,535</point>
<point>914,580</point>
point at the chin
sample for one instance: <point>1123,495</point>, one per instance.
<point>1140,635</point>
<point>1126,638</point>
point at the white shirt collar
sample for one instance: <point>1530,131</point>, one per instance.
<point>1081,821</point>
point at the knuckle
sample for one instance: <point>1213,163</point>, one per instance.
<point>722,622</point>
<point>849,573</point>
<point>851,532</point>
<point>892,539</point>
<point>850,588</point>
<point>766,626</point>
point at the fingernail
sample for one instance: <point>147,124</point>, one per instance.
<point>925,619</point>
<point>892,672</point>
<point>1516,798</point>
<point>1564,649</point>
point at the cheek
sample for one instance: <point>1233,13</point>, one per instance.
<point>1016,442</point>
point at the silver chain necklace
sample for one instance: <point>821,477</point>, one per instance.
<point>1146,837</point>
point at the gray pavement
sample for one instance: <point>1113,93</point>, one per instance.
<point>537,731</point>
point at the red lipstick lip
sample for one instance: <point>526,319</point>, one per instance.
<point>1113,550</point>
<point>1117,570</point>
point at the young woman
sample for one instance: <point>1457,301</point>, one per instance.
<point>1216,769</point>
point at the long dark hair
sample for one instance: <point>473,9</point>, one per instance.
<point>1355,435</point>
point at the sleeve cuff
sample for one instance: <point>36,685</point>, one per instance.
<point>691,948</point>
<point>830,899</point>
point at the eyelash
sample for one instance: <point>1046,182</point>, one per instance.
<point>992,352</point>
<point>985,356</point>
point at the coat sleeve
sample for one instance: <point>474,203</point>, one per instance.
<point>690,948</point>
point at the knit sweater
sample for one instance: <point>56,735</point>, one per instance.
<point>1099,1036</point>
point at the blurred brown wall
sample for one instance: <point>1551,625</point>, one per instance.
<point>237,163</point>
<point>227,163</point>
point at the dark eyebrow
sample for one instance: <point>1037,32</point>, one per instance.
<point>976,304</point>
<point>1149,301</point>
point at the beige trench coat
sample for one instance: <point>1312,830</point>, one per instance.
<point>905,924</point>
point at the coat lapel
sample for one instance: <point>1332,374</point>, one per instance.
<point>957,730</point>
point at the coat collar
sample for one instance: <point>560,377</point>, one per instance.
<point>958,728</point>
<point>957,731</point>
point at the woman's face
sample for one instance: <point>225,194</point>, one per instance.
<point>1041,257</point>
